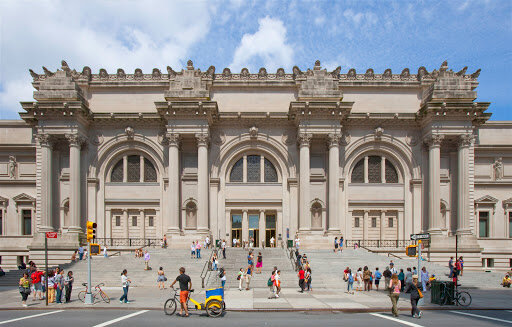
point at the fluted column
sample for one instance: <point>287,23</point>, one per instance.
<point>142,224</point>
<point>382,224</point>
<point>75,143</point>
<point>365,225</point>
<point>465,142</point>
<point>171,220</point>
<point>434,162</point>
<point>262,226</point>
<point>127,223</point>
<point>334,180</point>
<point>202,181</point>
<point>304,209</point>
<point>45,143</point>
<point>245,226</point>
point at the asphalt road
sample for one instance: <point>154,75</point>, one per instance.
<point>101,318</point>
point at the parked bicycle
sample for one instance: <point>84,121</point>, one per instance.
<point>98,292</point>
<point>461,298</point>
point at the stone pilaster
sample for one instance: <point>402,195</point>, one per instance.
<point>46,146</point>
<point>304,209</point>
<point>75,144</point>
<point>245,226</point>
<point>434,165</point>
<point>262,227</point>
<point>465,142</point>
<point>334,163</point>
<point>202,181</point>
<point>171,223</point>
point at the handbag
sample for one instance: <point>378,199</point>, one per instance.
<point>420,293</point>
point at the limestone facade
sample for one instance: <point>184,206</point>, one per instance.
<point>311,153</point>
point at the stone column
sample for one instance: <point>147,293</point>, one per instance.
<point>127,223</point>
<point>382,223</point>
<point>245,226</point>
<point>365,225</point>
<point>75,143</point>
<point>334,181</point>
<point>262,227</point>
<point>142,224</point>
<point>366,169</point>
<point>434,161</point>
<point>108,223</point>
<point>279,228</point>
<point>229,240</point>
<point>465,142</point>
<point>171,221</point>
<point>46,146</point>
<point>383,170</point>
<point>305,212</point>
<point>202,182</point>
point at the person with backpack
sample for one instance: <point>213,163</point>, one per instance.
<point>37,288</point>
<point>277,283</point>
<point>366,278</point>
<point>222,276</point>
<point>387,277</point>
<point>350,282</point>
<point>377,276</point>
<point>24,287</point>
<point>416,295</point>
<point>300,274</point>
<point>394,287</point>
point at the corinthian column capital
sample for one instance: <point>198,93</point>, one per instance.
<point>202,139</point>
<point>434,140</point>
<point>333,140</point>
<point>173,139</point>
<point>44,140</point>
<point>304,139</point>
<point>466,140</point>
<point>75,140</point>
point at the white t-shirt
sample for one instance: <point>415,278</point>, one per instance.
<point>192,247</point>
<point>124,281</point>
<point>297,241</point>
<point>272,240</point>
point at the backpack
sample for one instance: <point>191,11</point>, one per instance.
<point>269,282</point>
<point>350,278</point>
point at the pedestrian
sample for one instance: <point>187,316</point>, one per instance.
<point>359,279</point>
<point>59,281</point>
<point>125,282</point>
<point>24,286</point>
<point>277,282</point>
<point>506,282</point>
<point>224,249</point>
<point>161,279</point>
<point>270,284</point>
<point>240,278</point>
<point>461,262</point>
<point>335,245</point>
<point>301,275</point>
<point>424,278</point>
<point>185,287</point>
<point>105,254</point>
<point>408,276</point>
<point>450,266</point>
<point>392,268</point>
<point>416,295</point>
<point>401,278</point>
<point>387,277</point>
<point>250,258</point>
<point>147,257</point>
<point>377,275</point>
<point>414,271</point>
<point>198,250</point>
<point>366,278</point>
<point>272,241</point>
<point>234,242</point>
<point>193,250</point>
<point>370,284</point>
<point>207,242</point>
<point>51,287</point>
<point>259,263</point>
<point>297,242</point>
<point>350,282</point>
<point>164,242</point>
<point>222,276</point>
<point>214,261</point>
<point>341,244</point>
<point>68,284</point>
<point>80,252</point>
<point>307,279</point>
<point>248,277</point>
<point>36,284</point>
<point>394,286</point>
<point>73,256</point>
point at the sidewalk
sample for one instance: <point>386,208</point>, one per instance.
<point>257,299</point>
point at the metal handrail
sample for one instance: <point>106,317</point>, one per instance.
<point>379,243</point>
<point>207,267</point>
<point>130,242</point>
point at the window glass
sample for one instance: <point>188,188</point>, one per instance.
<point>134,220</point>
<point>356,222</point>
<point>27,222</point>
<point>490,262</point>
<point>253,168</point>
<point>236,221</point>
<point>374,222</point>
<point>358,172</point>
<point>390,222</point>
<point>391,174</point>
<point>237,171</point>
<point>151,221</point>
<point>483,218</point>
<point>149,171</point>
<point>270,172</point>
<point>118,221</point>
<point>117,172</point>
<point>254,221</point>
<point>374,168</point>
<point>133,169</point>
<point>270,221</point>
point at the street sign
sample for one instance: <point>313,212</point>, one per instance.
<point>51,234</point>
<point>425,236</point>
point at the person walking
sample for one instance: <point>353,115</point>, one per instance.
<point>450,266</point>
<point>297,242</point>
<point>161,279</point>
<point>51,287</point>
<point>59,281</point>
<point>301,275</point>
<point>240,278</point>
<point>81,252</point>
<point>222,276</point>
<point>401,278</point>
<point>366,278</point>
<point>377,276</point>
<point>68,284</point>
<point>392,268</point>
<point>193,250</point>
<point>350,282</point>
<point>24,286</point>
<point>341,244</point>
<point>359,279</point>
<point>125,282</point>
<point>259,263</point>
<point>408,276</point>
<point>105,254</point>
<point>415,296</point>
<point>147,257</point>
<point>424,278</point>
<point>272,242</point>
<point>224,249</point>
<point>387,277</point>
<point>394,286</point>
<point>277,283</point>
<point>270,284</point>
<point>36,284</point>
<point>185,286</point>
<point>336,244</point>
<point>248,277</point>
<point>215,262</point>
<point>198,250</point>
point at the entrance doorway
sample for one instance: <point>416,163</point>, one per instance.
<point>254,229</point>
<point>236,228</point>
<point>270,229</point>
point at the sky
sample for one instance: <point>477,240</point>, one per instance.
<point>358,34</point>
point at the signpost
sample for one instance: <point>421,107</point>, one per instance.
<point>46,237</point>
<point>419,238</point>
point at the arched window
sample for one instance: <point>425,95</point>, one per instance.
<point>136,170</point>
<point>258,169</point>
<point>374,169</point>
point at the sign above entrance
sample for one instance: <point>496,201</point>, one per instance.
<point>51,234</point>
<point>425,236</point>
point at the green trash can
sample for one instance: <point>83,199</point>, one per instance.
<point>289,244</point>
<point>217,243</point>
<point>439,290</point>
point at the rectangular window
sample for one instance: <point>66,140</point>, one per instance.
<point>118,221</point>
<point>374,222</point>
<point>134,221</point>
<point>390,222</point>
<point>236,221</point>
<point>254,221</point>
<point>490,263</point>
<point>356,222</point>
<point>483,223</point>
<point>151,221</point>
<point>26,215</point>
<point>510,263</point>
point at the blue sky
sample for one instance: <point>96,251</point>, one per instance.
<point>244,33</point>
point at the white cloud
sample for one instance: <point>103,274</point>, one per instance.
<point>319,20</point>
<point>99,34</point>
<point>361,18</point>
<point>267,46</point>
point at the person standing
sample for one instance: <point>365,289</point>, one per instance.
<point>387,277</point>
<point>301,276</point>
<point>424,278</point>
<point>198,250</point>
<point>59,281</point>
<point>68,283</point>
<point>461,262</point>
<point>350,282</point>
<point>392,268</point>
<point>80,252</point>
<point>341,244</point>
<point>450,266</point>
<point>259,263</point>
<point>51,287</point>
<point>297,242</point>
<point>161,279</point>
<point>277,282</point>
<point>185,286</point>
<point>248,277</point>
<point>394,286</point>
<point>408,276</point>
<point>272,241</point>
<point>366,278</point>
<point>24,286</point>
<point>105,254</point>
<point>193,250</point>
<point>224,249</point>
<point>240,278</point>
<point>401,278</point>
<point>222,276</point>
<point>307,279</point>
<point>270,284</point>
<point>36,284</point>
<point>125,281</point>
<point>335,245</point>
<point>147,257</point>
<point>359,279</point>
<point>415,296</point>
<point>377,275</point>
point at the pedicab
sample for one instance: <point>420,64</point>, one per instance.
<point>214,303</point>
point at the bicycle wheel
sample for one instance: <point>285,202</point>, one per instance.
<point>170,307</point>
<point>81,296</point>
<point>214,308</point>
<point>105,297</point>
<point>463,299</point>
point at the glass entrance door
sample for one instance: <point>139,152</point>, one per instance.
<point>270,230</point>
<point>236,229</point>
<point>254,229</point>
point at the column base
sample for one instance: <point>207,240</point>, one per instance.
<point>74,229</point>
<point>44,229</point>
<point>435,231</point>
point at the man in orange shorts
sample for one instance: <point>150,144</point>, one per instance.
<point>185,287</point>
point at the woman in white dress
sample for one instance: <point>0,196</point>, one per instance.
<point>359,276</point>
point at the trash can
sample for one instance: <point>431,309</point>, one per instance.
<point>217,243</point>
<point>290,243</point>
<point>439,290</point>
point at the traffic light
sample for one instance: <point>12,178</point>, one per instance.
<point>91,230</point>
<point>95,249</point>
<point>411,251</point>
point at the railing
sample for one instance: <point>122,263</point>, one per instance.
<point>129,242</point>
<point>207,267</point>
<point>379,243</point>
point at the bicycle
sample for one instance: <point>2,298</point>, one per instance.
<point>462,298</point>
<point>214,304</point>
<point>97,291</point>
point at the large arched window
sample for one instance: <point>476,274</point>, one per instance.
<point>133,169</point>
<point>253,169</point>
<point>374,169</point>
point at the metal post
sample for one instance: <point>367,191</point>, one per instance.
<point>419,260</point>
<point>456,258</point>
<point>88,295</point>
<point>46,267</point>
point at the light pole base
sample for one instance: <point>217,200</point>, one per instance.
<point>88,298</point>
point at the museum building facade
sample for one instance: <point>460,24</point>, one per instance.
<point>313,154</point>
